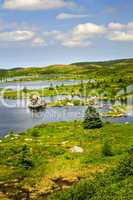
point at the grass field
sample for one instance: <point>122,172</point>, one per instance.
<point>39,161</point>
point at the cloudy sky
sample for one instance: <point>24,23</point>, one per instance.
<point>42,32</point>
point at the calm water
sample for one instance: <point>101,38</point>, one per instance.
<point>19,118</point>
<point>38,84</point>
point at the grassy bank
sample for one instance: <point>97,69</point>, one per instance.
<point>39,161</point>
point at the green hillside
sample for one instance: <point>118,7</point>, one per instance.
<point>120,68</point>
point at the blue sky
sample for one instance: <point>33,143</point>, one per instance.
<point>43,32</point>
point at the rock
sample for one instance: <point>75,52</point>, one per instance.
<point>65,142</point>
<point>76,149</point>
<point>6,136</point>
<point>28,139</point>
<point>69,104</point>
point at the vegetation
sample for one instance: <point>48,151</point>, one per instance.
<point>115,72</point>
<point>82,89</point>
<point>116,111</point>
<point>39,162</point>
<point>123,66</point>
<point>107,149</point>
<point>113,185</point>
<point>110,77</point>
<point>92,119</point>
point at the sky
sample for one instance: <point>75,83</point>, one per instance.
<point>45,32</point>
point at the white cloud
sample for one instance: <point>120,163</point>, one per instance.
<point>65,16</point>
<point>120,32</point>
<point>82,35</point>
<point>130,26</point>
<point>75,43</point>
<point>116,26</point>
<point>88,30</point>
<point>16,36</point>
<point>38,41</point>
<point>79,36</point>
<point>121,36</point>
<point>36,4</point>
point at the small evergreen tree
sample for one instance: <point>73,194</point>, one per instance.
<point>25,90</point>
<point>25,158</point>
<point>107,149</point>
<point>92,119</point>
<point>51,86</point>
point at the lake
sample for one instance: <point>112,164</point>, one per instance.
<point>38,84</point>
<point>18,117</point>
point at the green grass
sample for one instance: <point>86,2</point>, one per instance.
<point>42,154</point>
<point>114,184</point>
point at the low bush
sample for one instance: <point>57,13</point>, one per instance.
<point>76,102</point>
<point>35,132</point>
<point>125,167</point>
<point>107,149</point>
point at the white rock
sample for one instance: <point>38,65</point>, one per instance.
<point>69,104</point>
<point>28,139</point>
<point>6,136</point>
<point>76,149</point>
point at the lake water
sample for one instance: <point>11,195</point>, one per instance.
<point>38,84</point>
<point>18,117</point>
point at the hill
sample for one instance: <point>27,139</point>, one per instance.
<point>115,68</point>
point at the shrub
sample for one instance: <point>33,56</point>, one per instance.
<point>92,119</point>
<point>55,151</point>
<point>11,132</point>
<point>51,86</point>
<point>84,190</point>
<point>107,149</point>
<point>25,158</point>
<point>76,102</point>
<point>35,132</point>
<point>25,90</point>
<point>125,168</point>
